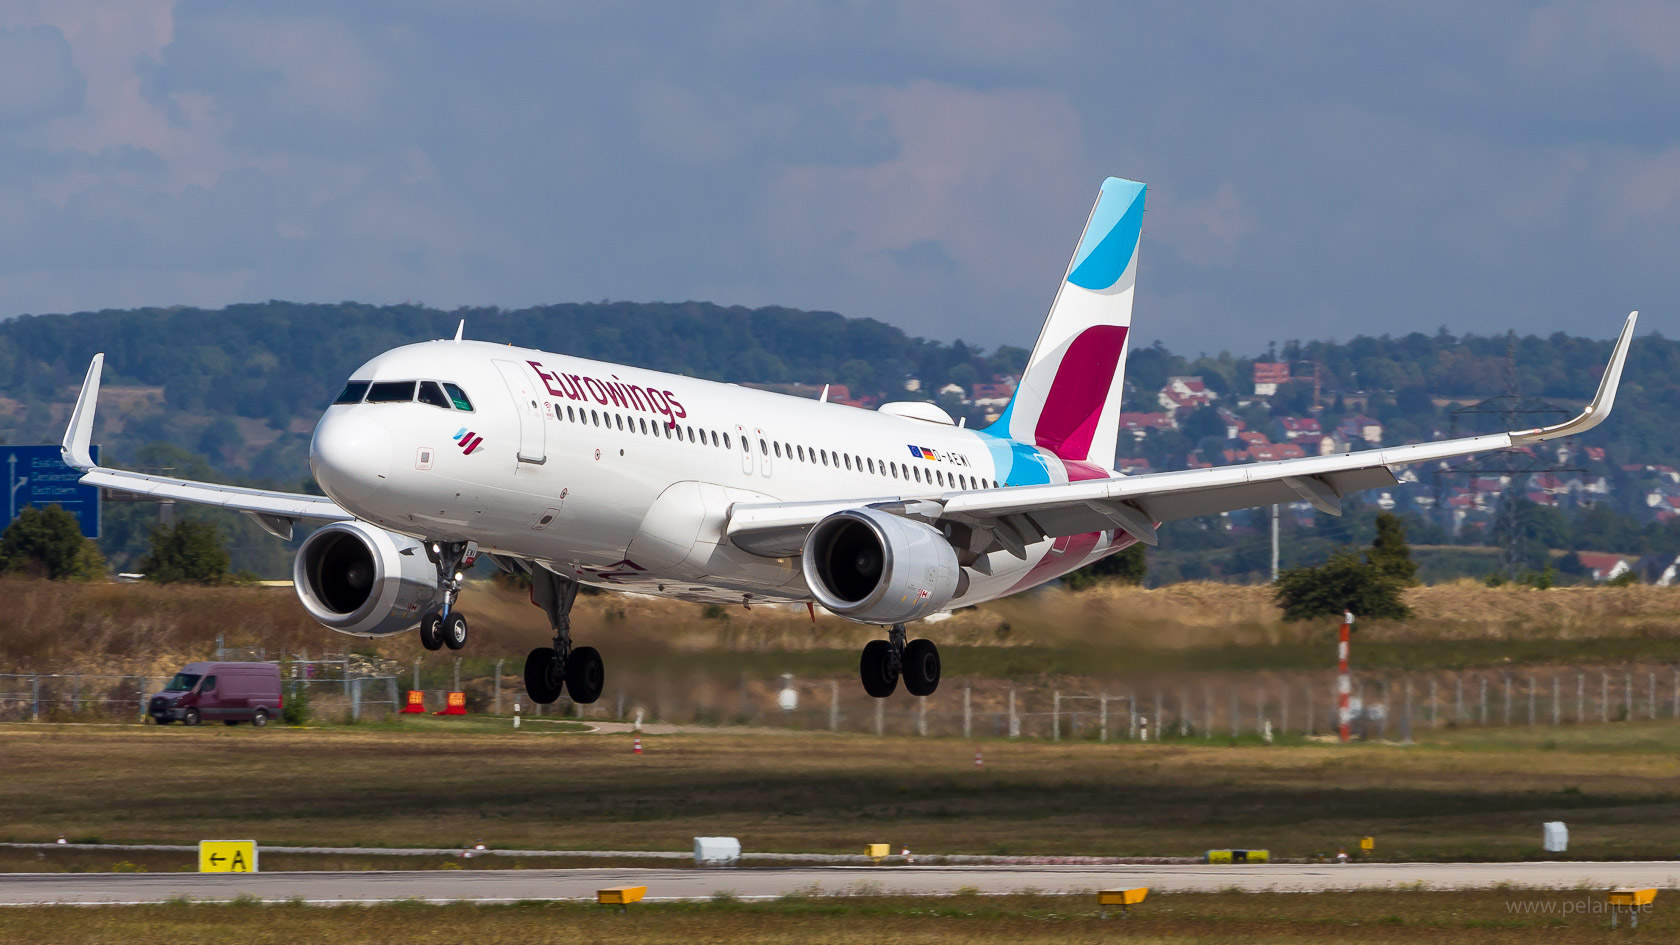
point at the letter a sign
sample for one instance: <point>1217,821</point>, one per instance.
<point>227,856</point>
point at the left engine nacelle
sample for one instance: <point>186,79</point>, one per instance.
<point>365,581</point>
<point>876,567</point>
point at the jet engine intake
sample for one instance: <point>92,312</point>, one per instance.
<point>365,581</point>
<point>875,567</point>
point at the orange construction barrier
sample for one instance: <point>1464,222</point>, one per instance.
<point>457,705</point>
<point>416,703</point>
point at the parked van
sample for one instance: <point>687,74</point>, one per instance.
<point>226,692</point>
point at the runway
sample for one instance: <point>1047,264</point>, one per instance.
<point>491,886</point>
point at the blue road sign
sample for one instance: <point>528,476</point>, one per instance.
<point>36,475</point>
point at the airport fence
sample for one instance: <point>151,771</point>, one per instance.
<point>1386,704</point>
<point>80,697</point>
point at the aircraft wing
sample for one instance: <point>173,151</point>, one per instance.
<point>276,512</point>
<point>1012,517</point>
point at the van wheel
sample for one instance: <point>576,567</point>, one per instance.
<point>190,717</point>
<point>259,719</point>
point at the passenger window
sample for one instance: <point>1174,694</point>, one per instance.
<point>778,451</point>
<point>848,461</point>
<point>458,397</point>
<point>352,393</point>
<point>618,418</point>
<point>595,417</point>
<point>644,425</point>
<point>432,394</point>
<point>391,392</point>
<point>894,470</point>
<point>801,451</point>
<point>872,467</point>
<point>725,440</point>
<point>825,457</point>
<point>763,447</point>
<point>918,470</point>
<point>569,415</point>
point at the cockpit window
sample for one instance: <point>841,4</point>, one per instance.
<point>431,393</point>
<point>391,392</point>
<point>458,396</point>
<point>352,393</point>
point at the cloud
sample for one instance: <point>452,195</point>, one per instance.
<point>38,81</point>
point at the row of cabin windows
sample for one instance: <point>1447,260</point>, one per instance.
<point>852,462</point>
<point>670,431</point>
<point>447,396</point>
<point>874,467</point>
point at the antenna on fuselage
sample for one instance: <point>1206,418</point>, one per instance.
<point>824,398</point>
<point>460,328</point>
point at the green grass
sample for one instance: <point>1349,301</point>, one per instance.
<point>1457,795</point>
<point>1488,917</point>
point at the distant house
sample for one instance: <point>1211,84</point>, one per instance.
<point>1268,376</point>
<point>1275,451</point>
<point>953,390</point>
<point>1315,444</point>
<point>992,395</point>
<point>1300,426</point>
<point>1139,423</point>
<point>1362,427</point>
<point>1185,392</point>
<point>1604,566</point>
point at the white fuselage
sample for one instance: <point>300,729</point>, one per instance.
<point>623,477</point>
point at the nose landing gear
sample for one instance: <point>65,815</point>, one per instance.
<point>884,661</point>
<point>549,670</point>
<point>445,627</point>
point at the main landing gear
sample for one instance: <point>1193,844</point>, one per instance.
<point>884,661</point>
<point>446,626</point>
<point>549,670</point>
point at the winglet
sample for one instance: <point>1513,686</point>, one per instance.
<point>78,437</point>
<point>1601,402</point>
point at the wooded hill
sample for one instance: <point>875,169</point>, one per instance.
<point>234,392</point>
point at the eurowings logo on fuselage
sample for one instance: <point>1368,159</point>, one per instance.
<point>467,440</point>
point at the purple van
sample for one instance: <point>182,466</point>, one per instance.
<point>228,692</point>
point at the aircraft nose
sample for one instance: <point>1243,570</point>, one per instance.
<point>350,455</point>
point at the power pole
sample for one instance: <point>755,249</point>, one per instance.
<point>1274,544</point>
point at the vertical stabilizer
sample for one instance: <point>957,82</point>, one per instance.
<point>1068,401</point>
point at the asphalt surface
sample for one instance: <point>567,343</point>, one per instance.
<point>515,885</point>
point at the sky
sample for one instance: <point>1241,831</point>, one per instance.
<point>1316,170</point>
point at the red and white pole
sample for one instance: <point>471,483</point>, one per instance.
<point>1344,684</point>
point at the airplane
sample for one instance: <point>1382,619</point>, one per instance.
<point>583,472</point>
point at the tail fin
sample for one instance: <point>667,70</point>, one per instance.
<point>1068,402</point>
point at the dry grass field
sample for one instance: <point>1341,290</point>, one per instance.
<point>1477,918</point>
<point>144,629</point>
<point>1459,795</point>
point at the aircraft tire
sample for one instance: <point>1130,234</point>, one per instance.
<point>921,667</point>
<point>454,630</point>
<point>876,669</point>
<point>431,631</point>
<point>586,675</point>
<point>543,682</point>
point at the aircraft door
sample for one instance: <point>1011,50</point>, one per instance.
<point>747,448</point>
<point>533,435</point>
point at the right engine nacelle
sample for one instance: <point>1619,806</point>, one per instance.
<point>363,580</point>
<point>880,568</point>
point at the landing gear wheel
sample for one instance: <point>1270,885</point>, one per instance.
<point>260,719</point>
<point>191,717</point>
<point>543,677</point>
<point>454,630</point>
<point>586,675</point>
<point>431,631</point>
<point>878,670</point>
<point>921,667</point>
